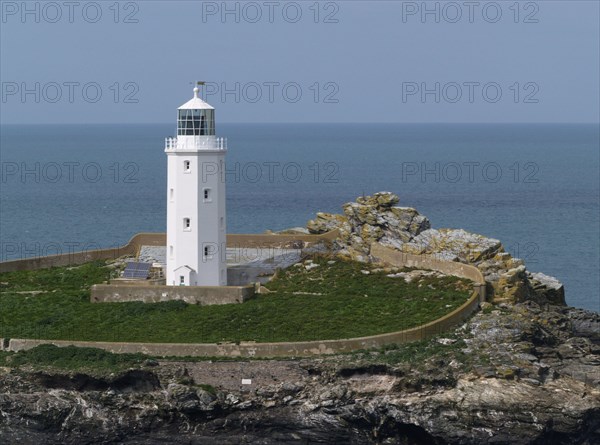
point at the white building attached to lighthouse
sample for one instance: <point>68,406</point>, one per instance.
<point>196,242</point>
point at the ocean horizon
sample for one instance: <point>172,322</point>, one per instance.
<point>535,187</point>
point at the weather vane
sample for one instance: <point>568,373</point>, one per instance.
<point>198,83</point>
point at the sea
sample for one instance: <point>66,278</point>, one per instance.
<point>535,187</point>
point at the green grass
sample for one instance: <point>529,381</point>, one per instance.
<point>71,358</point>
<point>350,304</point>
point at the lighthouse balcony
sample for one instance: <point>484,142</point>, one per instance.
<point>196,143</point>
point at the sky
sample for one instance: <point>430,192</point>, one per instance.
<point>305,61</point>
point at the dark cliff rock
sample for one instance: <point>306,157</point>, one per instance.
<point>513,374</point>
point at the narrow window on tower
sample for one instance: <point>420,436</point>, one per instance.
<point>222,222</point>
<point>187,224</point>
<point>186,166</point>
<point>171,251</point>
<point>207,195</point>
<point>171,194</point>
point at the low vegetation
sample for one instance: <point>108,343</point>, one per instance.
<point>443,348</point>
<point>70,358</point>
<point>330,299</point>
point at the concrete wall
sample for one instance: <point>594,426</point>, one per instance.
<point>284,349</point>
<point>156,239</point>
<point>203,295</point>
<point>275,240</point>
<point>67,259</point>
<point>401,259</point>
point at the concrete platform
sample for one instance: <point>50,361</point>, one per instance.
<point>244,265</point>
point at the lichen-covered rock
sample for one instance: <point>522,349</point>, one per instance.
<point>359,214</point>
<point>464,246</point>
<point>371,233</point>
<point>547,289</point>
<point>380,199</point>
<point>371,219</point>
<point>325,222</point>
<point>377,218</point>
<point>513,285</point>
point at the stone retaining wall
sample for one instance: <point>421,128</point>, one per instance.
<point>203,295</point>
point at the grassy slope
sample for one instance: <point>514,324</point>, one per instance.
<point>352,304</point>
<point>70,358</point>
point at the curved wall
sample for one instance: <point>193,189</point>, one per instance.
<point>307,348</point>
<point>401,259</point>
<point>283,349</point>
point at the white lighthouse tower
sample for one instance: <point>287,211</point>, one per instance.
<point>196,199</point>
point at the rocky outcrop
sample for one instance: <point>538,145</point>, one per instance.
<point>547,288</point>
<point>370,219</point>
<point>377,218</point>
<point>514,374</point>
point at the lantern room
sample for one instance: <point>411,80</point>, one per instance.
<point>195,118</point>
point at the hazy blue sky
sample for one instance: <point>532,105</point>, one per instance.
<point>370,66</point>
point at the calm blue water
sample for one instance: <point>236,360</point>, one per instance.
<point>535,187</point>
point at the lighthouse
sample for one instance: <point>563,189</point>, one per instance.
<point>196,199</point>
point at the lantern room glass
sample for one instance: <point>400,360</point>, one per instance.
<point>196,123</point>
